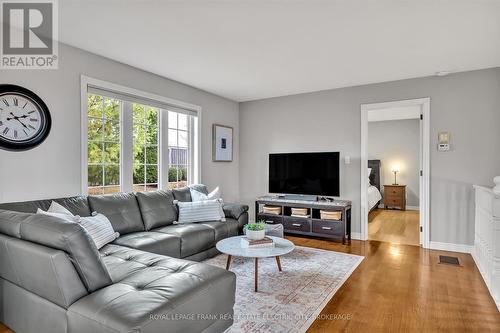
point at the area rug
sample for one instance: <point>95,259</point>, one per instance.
<point>291,300</point>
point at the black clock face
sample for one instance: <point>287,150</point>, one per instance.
<point>24,118</point>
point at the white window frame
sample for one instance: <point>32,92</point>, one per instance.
<point>126,164</point>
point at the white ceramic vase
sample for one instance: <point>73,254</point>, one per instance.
<point>256,234</point>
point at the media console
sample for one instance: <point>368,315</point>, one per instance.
<point>311,225</point>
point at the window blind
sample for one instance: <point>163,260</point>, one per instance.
<point>140,100</point>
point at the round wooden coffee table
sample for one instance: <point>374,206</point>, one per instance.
<point>232,247</point>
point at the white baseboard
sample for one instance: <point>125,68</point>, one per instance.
<point>463,248</point>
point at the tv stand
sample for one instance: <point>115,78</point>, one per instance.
<point>311,225</point>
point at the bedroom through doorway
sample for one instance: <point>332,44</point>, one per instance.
<point>394,164</point>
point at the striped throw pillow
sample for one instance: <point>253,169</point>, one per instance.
<point>99,228</point>
<point>199,211</point>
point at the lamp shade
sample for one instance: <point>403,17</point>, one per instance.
<point>395,168</point>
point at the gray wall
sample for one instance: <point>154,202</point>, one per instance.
<point>466,104</point>
<point>54,168</point>
<point>397,142</point>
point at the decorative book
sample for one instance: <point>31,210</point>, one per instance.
<point>252,243</point>
<point>301,216</point>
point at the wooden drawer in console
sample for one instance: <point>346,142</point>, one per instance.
<point>296,224</point>
<point>271,219</point>
<point>328,227</point>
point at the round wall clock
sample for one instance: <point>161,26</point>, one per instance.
<point>24,118</point>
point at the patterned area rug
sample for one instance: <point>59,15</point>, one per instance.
<point>287,301</point>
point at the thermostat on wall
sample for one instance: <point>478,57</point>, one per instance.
<point>443,146</point>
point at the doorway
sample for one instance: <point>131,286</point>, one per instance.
<point>404,225</point>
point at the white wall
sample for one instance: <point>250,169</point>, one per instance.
<point>53,168</point>
<point>466,104</point>
<point>397,142</point>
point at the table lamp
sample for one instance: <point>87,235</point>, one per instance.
<point>395,169</point>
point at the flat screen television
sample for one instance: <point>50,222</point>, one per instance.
<point>305,173</point>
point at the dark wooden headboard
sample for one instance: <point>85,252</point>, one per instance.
<point>375,175</point>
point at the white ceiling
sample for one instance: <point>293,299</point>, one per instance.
<point>253,49</point>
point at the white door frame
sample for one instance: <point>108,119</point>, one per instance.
<point>425,107</point>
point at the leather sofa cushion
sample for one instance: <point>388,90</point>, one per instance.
<point>41,270</point>
<point>157,208</point>
<point>195,237</point>
<point>154,242</point>
<point>234,210</point>
<point>223,230</point>
<point>182,194</point>
<point>74,240</point>
<point>10,222</point>
<point>146,285</point>
<point>77,205</point>
<point>121,209</point>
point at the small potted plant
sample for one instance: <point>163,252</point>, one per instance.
<point>255,231</point>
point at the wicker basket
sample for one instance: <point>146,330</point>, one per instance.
<point>330,215</point>
<point>271,210</point>
<point>300,211</point>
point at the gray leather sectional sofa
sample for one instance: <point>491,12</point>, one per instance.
<point>53,279</point>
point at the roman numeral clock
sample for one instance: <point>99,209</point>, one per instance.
<point>24,118</point>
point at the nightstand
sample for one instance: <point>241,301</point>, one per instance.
<point>395,196</point>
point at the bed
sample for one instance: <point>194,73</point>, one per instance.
<point>373,191</point>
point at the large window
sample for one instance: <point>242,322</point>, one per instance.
<point>104,115</point>
<point>138,143</point>
<point>146,153</point>
<point>178,149</point>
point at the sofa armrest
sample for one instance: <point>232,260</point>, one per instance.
<point>234,210</point>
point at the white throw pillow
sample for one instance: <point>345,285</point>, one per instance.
<point>215,194</point>
<point>99,228</point>
<point>199,211</point>
<point>197,195</point>
<point>57,208</point>
<point>68,218</point>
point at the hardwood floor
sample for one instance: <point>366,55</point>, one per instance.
<point>402,288</point>
<point>394,226</point>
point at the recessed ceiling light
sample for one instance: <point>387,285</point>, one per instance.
<point>442,73</point>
